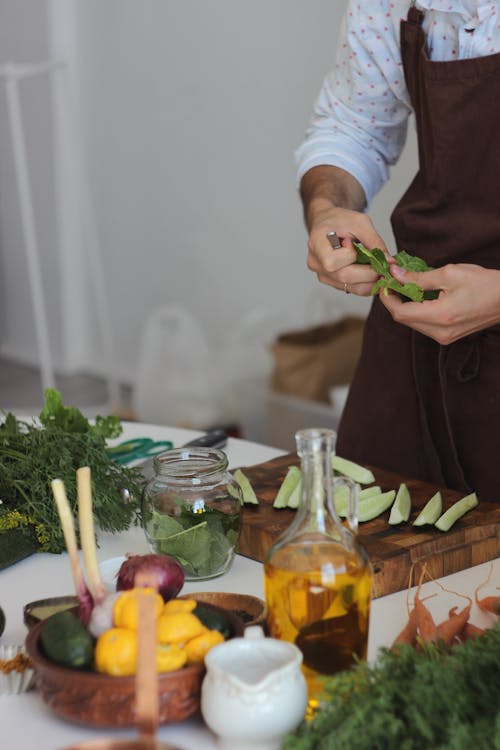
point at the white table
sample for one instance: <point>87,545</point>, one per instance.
<point>26,723</point>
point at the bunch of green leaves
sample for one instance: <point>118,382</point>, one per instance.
<point>200,539</point>
<point>439,697</point>
<point>33,454</point>
<point>71,419</point>
<point>377,260</point>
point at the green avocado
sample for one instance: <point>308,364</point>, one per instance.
<point>213,620</point>
<point>66,641</point>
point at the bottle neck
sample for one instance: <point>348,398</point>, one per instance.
<point>317,490</point>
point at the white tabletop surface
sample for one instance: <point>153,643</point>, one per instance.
<point>26,723</point>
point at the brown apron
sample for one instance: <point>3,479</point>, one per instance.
<point>423,410</point>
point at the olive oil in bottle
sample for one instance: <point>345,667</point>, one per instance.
<point>318,579</point>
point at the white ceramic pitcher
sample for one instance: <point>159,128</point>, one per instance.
<point>254,691</point>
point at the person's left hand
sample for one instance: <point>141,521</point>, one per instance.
<point>469,301</point>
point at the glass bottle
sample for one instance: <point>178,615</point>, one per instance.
<point>192,510</point>
<point>318,579</point>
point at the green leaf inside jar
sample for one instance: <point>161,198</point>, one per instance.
<point>200,541</point>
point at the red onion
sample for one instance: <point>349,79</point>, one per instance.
<point>163,569</point>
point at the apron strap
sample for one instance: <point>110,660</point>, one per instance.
<point>415,16</point>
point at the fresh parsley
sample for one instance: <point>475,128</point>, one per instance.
<point>33,454</point>
<point>377,260</point>
<point>71,419</point>
<point>439,697</point>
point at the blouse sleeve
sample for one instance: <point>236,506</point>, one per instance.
<point>359,120</point>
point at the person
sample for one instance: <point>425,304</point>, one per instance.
<point>425,399</point>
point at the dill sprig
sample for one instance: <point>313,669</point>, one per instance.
<point>33,454</point>
<point>435,698</point>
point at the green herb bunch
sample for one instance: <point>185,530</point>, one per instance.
<point>433,698</point>
<point>377,260</point>
<point>32,455</point>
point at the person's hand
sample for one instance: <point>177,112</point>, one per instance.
<point>469,301</point>
<point>338,268</point>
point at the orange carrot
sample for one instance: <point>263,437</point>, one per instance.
<point>471,631</point>
<point>409,633</point>
<point>451,628</point>
<point>427,630</point>
<point>488,603</point>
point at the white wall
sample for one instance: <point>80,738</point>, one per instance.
<point>191,111</point>
<point>23,38</point>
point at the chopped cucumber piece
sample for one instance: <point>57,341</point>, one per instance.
<point>401,508</point>
<point>287,486</point>
<point>431,511</point>
<point>456,511</point>
<point>350,469</point>
<point>341,498</point>
<point>374,505</point>
<point>249,496</point>
<point>294,499</point>
<point>369,491</point>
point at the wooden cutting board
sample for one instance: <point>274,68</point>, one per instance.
<point>393,550</point>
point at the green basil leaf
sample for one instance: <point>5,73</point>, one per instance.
<point>376,258</point>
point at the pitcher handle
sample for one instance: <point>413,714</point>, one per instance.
<point>353,494</point>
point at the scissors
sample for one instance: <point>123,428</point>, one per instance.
<point>147,448</point>
<point>136,448</point>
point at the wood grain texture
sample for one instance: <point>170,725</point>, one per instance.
<point>393,550</point>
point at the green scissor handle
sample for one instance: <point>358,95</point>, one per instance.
<point>135,448</point>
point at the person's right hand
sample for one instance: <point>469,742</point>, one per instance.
<point>338,268</point>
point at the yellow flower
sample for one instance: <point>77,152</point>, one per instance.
<point>12,520</point>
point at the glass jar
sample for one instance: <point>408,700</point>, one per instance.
<point>192,510</point>
<point>318,579</point>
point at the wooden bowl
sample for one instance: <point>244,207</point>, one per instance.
<point>250,609</point>
<point>35,612</point>
<point>100,700</point>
